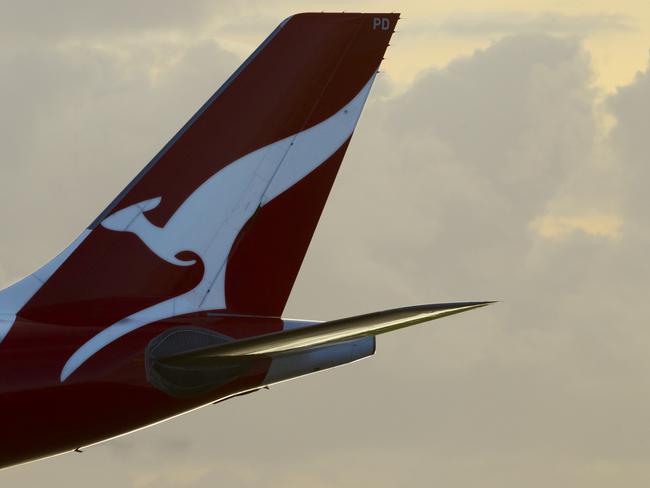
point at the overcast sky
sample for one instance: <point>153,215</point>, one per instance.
<point>502,155</point>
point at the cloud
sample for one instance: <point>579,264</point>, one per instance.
<point>462,162</point>
<point>90,107</point>
<point>478,24</point>
<point>77,19</point>
<point>631,105</point>
<point>560,227</point>
<point>437,201</point>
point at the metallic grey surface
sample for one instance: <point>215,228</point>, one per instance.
<point>324,333</point>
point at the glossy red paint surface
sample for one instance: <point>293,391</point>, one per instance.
<point>312,67</point>
<point>107,396</point>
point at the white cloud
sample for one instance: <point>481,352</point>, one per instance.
<point>32,20</point>
<point>631,106</point>
<point>477,24</point>
<point>98,114</point>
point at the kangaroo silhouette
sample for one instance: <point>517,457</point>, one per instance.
<point>210,219</point>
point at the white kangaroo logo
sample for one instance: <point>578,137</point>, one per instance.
<point>132,219</point>
<point>208,222</point>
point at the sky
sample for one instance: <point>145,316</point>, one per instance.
<point>502,155</point>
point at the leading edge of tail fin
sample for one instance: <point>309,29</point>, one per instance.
<point>222,216</point>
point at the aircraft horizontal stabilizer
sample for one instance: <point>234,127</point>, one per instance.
<point>288,341</point>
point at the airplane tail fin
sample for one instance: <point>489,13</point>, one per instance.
<point>222,217</point>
